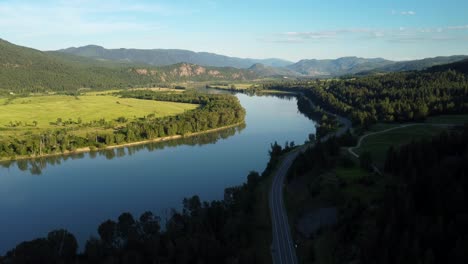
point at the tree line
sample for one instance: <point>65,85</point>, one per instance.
<point>393,97</point>
<point>326,123</point>
<point>417,212</point>
<point>215,111</point>
<point>323,156</point>
<point>202,232</point>
<point>422,214</point>
<point>35,166</point>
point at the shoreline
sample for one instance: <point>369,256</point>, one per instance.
<point>129,144</point>
<point>259,92</point>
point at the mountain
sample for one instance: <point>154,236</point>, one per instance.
<point>416,65</point>
<point>363,66</point>
<point>341,66</point>
<point>460,66</point>
<point>24,70</point>
<point>268,71</point>
<point>163,57</point>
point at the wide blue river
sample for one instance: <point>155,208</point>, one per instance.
<point>79,192</point>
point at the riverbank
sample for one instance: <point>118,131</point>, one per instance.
<point>254,91</point>
<point>130,144</point>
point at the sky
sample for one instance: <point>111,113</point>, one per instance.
<point>292,30</point>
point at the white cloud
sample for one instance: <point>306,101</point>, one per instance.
<point>403,13</point>
<point>464,27</point>
<point>312,35</point>
<point>74,18</point>
<point>407,13</point>
<point>400,34</point>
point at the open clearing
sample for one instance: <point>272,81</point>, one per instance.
<point>378,144</point>
<point>45,110</point>
<point>448,119</point>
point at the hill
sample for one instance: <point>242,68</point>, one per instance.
<point>459,66</point>
<point>268,71</point>
<point>164,57</point>
<point>341,66</point>
<point>263,67</point>
<point>27,70</point>
<point>417,65</point>
<point>364,66</point>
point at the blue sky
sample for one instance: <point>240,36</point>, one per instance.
<point>294,29</point>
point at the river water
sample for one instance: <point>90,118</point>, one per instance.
<point>79,192</point>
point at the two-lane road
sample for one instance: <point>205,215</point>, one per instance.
<point>283,246</point>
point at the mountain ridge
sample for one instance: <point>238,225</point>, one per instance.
<point>422,64</point>
<point>24,69</point>
<point>350,65</point>
<point>334,67</point>
<point>269,71</point>
<point>163,57</point>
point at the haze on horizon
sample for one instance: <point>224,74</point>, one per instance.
<point>298,29</point>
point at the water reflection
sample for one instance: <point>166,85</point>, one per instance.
<point>78,192</point>
<point>37,165</point>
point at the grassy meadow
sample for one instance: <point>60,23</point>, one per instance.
<point>35,113</point>
<point>378,144</point>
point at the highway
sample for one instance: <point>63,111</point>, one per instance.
<point>283,248</point>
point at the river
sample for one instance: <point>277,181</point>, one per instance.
<point>79,192</point>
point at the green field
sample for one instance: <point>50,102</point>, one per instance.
<point>378,144</point>
<point>448,119</point>
<point>24,112</point>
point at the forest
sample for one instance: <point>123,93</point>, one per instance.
<point>37,165</point>
<point>421,215</point>
<point>326,123</point>
<point>25,70</point>
<point>415,212</point>
<point>393,97</point>
<point>215,111</point>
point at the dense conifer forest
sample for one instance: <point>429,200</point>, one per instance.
<point>422,214</point>
<point>414,212</point>
<point>393,97</point>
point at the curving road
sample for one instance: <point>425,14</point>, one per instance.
<point>283,248</point>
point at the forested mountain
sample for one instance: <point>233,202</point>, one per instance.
<point>24,70</point>
<point>362,66</point>
<point>163,57</point>
<point>416,65</point>
<point>341,66</point>
<point>263,67</point>
<point>460,66</point>
<point>266,71</point>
